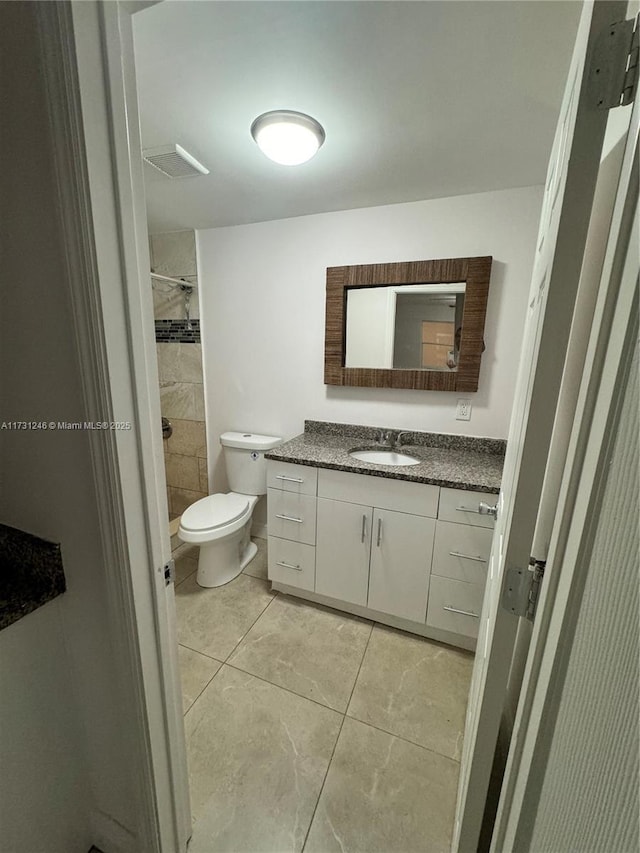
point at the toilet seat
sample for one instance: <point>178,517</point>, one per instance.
<point>215,516</point>
<point>214,511</point>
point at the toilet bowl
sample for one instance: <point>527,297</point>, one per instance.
<point>221,524</point>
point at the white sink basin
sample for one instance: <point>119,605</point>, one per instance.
<point>384,457</point>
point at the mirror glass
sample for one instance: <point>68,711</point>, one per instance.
<point>408,327</point>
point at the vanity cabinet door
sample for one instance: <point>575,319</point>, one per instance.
<point>401,550</point>
<point>343,547</point>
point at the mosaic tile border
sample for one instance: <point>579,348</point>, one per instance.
<point>177,331</point>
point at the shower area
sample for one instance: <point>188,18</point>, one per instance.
<point>174,280</point>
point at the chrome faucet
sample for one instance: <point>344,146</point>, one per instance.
<point>399,438</point>
<point>391,439</point>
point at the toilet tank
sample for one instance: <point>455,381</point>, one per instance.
<point>244,457</point>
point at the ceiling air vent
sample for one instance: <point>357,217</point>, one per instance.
<point>174,162</point>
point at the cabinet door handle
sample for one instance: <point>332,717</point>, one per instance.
<point>289,479</point>
<point>462,612</point>
<point>483,509</point>
<point>290,518</point>
<point>288,565</point>
<point>467,556</point>
<point>364,527</point>
<point>379,539</point>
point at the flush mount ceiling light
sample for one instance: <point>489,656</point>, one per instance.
<point>287,137</point>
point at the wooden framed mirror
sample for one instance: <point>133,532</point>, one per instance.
<point>414,324</point>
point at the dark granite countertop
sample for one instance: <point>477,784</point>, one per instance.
<point>458,462</point>
<point>31,573</point>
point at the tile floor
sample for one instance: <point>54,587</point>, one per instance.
<point>309,729</point>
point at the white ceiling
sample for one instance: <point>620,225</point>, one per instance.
<point>418,99</point>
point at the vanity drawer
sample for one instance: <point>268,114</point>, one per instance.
<point>461,507</point>
<point>454,606</point>
<point>399,495</point>
<point>292,563</point>
<point>292,478</point>
<point>461,552</point>
<point>291,516</point>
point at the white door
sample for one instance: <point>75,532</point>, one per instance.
<point>568,199</point>
<point>593,541</point>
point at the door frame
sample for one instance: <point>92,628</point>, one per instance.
<point>87,57</point>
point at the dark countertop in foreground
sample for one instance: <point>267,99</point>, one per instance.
<point>457,462</point>
<point>31,573</point>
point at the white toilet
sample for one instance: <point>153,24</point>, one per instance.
<point>221,524</point>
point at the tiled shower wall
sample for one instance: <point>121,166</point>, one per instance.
<point>180,370</point>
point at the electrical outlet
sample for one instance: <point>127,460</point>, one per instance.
<point>463,410</point>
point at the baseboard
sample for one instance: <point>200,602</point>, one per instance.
<point>259,531</point>
<point>109,836</point>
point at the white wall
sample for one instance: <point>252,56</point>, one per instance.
<point>65,768</point>
<point>262,291</point>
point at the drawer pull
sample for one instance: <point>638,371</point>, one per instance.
<point>462,612</point>
<point>483,509</point>
<point>379,532</point>
<point>288,565</point>
<point>290,518</point>
<point>364,527</point>
<point>467,557</point>
<point>289,479</point>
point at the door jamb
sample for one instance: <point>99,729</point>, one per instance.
<point>104,266</point>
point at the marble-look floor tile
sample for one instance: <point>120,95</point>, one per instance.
<point>414,688</point>
<point>257,568</point>
<point>186,549</point>
<point>309,649</point>
<point>196,671</point>
<point>213,621</point>
<point>185,567</point>
<point>257,759</point>
<point>384,795</point>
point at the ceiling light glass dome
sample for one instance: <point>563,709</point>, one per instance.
<point>287,137</point>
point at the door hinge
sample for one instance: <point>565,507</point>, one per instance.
<point>169,572</point>
<point>613,76</point>
<point>521,589</point>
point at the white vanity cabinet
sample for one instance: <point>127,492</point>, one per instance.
<point>374,542</point>
<point>460,560</point>
<point>409,554</point>
<point>291,520</point>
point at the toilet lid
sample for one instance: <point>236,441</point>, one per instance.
<point>214,511</point>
